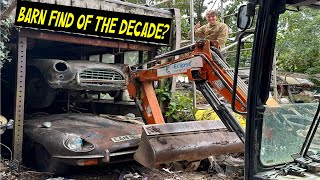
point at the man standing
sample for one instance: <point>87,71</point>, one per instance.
<point>216,32</point>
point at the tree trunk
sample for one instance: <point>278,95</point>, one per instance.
<point>199,17</point>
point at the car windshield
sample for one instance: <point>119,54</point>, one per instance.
<point>284,131</point>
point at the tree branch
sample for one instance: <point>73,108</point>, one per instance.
<point>8,11</point>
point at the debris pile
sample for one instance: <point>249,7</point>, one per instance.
<point>11,170</point>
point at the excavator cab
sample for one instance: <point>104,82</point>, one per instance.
<point>281,142</point>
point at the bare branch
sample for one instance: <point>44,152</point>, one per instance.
<point>8,11</point>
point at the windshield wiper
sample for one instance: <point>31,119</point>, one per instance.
<point>312,130</point>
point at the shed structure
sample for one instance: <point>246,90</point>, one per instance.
<point>40,43</point>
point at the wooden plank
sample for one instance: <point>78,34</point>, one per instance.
<point>64,2</point>
<point>151,13</point>
<point>109,6</point>
<point>93,4</point>
<point>85,40</point>
<point>48,1</point>
<point>79,3</point>
<point>106,6</point>
<point>132,9</point>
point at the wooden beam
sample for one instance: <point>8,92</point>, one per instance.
<point>85,40</point>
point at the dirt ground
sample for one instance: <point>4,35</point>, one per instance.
<point>134,171</point>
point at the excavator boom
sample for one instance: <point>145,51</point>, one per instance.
<point>167,142</point>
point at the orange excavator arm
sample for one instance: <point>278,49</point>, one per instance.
<point>165,142</point>
<point>201,61</point>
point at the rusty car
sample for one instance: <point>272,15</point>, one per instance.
<point>45,77</point>
<point>58,141</point>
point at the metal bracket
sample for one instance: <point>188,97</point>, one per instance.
<point>294,170</point>
<point>19,104</point>
<point>307,163</point>
<point>315,158</point>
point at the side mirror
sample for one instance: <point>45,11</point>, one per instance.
<point>243,21</point>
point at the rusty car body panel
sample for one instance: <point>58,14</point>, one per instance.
<point>81,74</point>
<point>108,137</point>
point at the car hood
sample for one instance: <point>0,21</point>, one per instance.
<point>100,131</point>
<point>81,64</point>
<point>45,64</point>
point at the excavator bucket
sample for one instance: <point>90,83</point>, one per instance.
<point>196,140</point>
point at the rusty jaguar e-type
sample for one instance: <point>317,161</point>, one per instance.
<point>59,140</point>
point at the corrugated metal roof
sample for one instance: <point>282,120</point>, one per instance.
<point>296,81</point>
<point>305,81</point>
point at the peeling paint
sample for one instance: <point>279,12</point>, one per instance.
<point>149,112</point>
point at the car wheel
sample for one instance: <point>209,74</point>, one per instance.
<point>46,163</point>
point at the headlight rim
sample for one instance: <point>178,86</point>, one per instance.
<point>85,147</point>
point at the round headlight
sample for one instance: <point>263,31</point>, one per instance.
<point>77,144</point>
<point>3,121</point>
<point>3,124</point>
<point>60,66</point>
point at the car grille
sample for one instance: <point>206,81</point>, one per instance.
<point>99,76</point>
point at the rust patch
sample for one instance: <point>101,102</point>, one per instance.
<point>152,129</point>
<point>162,141</point>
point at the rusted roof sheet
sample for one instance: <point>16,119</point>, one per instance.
<point>290,80</point>
<point>305,81</point>
<point>112,5</point>
<point>296,81</point>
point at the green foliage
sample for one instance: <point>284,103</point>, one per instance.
<point>131,57</point>
<point>232,8</point>
<point>315,80</point>
<point>163,93</point>
<point>137,1</point>
<point>163,49</point>
<point>5,26</point>
<point>303,98</point>
<point>184,7</point>
<point>181,107</point>
<point>299,41</point>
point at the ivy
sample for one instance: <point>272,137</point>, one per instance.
<point>5,26</point>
